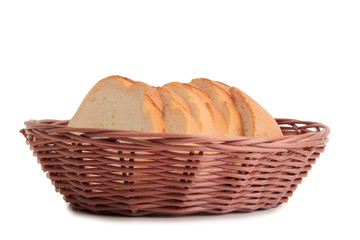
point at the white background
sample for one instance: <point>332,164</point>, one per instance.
<point>299,59</point>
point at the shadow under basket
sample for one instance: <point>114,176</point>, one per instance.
<point>133,173</point>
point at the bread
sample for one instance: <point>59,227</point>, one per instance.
<point>198,108</point>
<point>257,121</point>
<point>218,118</point>
<point>224,102</point>
<point>120,103</point>
<point>177,113</point>
<point>201,107</point>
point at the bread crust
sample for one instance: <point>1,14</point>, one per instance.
<point>224,102</point>
<point>221,127</point>
<point>198,107</point>
<point>258,121</point>
<point>176,107</point>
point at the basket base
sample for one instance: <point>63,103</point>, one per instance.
<point>179,212</point>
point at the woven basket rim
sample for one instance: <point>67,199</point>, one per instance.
<point>322,132</point>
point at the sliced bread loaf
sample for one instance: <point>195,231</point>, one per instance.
<point>120,103</point>
<point>218,118</point>
<point>224,103</point>
<point>198,108</point>
<point>177,113</point>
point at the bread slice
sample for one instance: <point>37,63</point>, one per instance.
<point>223,101</point>
<point>257,121</point>
<point>177,113</point>
<point>218,118</point>
<point>197,106</point>
<point>120,103</point>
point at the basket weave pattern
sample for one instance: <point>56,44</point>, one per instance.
<point>136,173</point>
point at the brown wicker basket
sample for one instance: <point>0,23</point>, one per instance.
<point>136,173</point>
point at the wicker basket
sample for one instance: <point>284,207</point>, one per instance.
<point>135,173</point>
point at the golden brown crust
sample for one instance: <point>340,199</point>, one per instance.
<point>218,118</point>
<point>157,122</point>
<point>263,124</point>
<point>153,95</point>
<point>177,103</point>
<point>154,107</point>
<point>222,98</point>
<point>222,85</point>
<point>177,98</point>
<point>198,107</point>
